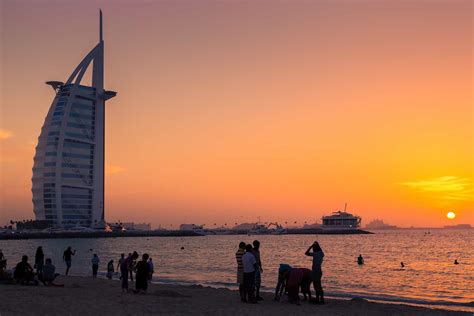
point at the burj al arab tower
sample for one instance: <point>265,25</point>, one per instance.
<point>68,170</point>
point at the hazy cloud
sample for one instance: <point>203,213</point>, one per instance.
<point>448,187</point>
<point>5,134</point>
<point>111,169</point>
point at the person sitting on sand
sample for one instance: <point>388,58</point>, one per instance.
<point>402,265</point>
<point>95,265</point>
<point>250,265</point>
<point>317,271</point>
<point>67,257</point>
<point>258,270</point>
<point>240,270</point>
<point>24,272</point>
<point>283,273</point>
<point>110,269</point>
<point>360,260</point>
<point>125,267</point>
<point>141,276</point>
<point>456,261</point>
<point>48,274</point>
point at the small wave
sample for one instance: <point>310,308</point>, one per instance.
<point>395,299</point>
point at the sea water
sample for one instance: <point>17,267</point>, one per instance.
<point>429,277</point>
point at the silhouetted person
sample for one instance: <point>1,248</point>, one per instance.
<point>151,269</point>
<point>456,261</point>
<point>283,274</point>
<point>298,278</point>
<point>360,260</point>
<point>48,274</point>
<point>24,272</point>
<point>3,263</point>
<point>240,270</point>
<point>141,277</point>
<point>317,271</point>
<point>110,269</point>
<point>402,264</point>
<point>39,259</point>
<point>95,265</point>
<point>258,270</point>
<point>250,266</point>
<point>67,257</point>
<point>134,262</point>
<point>125,267</point>
<point>120,261</point>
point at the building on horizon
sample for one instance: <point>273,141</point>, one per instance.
<point>68,170</point>
<point>379,224</point>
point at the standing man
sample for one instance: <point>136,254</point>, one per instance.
<point>317,272</point>
<point>120,261</point>
<point>67,257</point>
<point>258,270</point>
<point>240,271</point>
<point>95,265</point>
<point>250,265</point>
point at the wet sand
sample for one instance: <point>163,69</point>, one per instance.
<point>87,296</point>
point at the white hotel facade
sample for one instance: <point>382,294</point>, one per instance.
<point>68,170</point>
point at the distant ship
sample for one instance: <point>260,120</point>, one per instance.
<point>379,224</point>
<point>341,220</point>
<point>197,229</point>
<point>259,229</point>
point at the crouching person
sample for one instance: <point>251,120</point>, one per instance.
<point>24,272</point>
<point>49,274</point>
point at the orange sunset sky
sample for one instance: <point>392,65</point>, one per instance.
<point>232,110</point>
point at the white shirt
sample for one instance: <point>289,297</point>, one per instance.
<point>248,259</point>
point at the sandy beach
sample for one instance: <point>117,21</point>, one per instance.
<point>87,296</point>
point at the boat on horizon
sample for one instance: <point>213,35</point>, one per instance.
<point>341,220</point>
<point>270,229</point>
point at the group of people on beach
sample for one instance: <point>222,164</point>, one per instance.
<point>143,269</point>
<point>249,270</point>
<point>290,279</point>
<point>44,271</point>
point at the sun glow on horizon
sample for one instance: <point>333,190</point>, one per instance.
<point>451,215</point>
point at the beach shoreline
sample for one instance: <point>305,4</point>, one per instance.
<point>88,296</point>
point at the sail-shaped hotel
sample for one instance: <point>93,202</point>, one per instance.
<point>68,170</point>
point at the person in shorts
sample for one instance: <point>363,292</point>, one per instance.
<point>67,257</point>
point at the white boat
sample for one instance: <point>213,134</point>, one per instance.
<point>260,229</point>
<point>341,220</point>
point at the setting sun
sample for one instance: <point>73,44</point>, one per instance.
<point>451,215</point>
